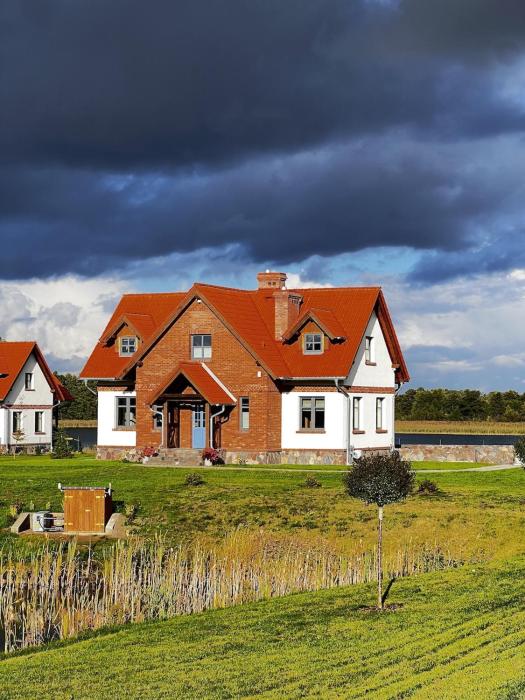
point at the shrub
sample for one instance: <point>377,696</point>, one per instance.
<point>14,510</point>
<point>312,483</point>
<point>213,455</point>
<point>519,450</point>
<point>427,486</point>
<point>130,511</point>
<point>194,479</point>
<point>61,446</point>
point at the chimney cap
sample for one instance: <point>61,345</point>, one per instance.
<point>271,280</point>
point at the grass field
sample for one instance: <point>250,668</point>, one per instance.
<point>460,427</point>
<point>456,634</point>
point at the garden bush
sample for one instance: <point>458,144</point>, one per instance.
<point>427,486</point>
<point>312,483</point>
<point>519,450</point>
<point>194,479</point>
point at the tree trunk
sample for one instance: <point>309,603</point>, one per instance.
<point>380,560</point>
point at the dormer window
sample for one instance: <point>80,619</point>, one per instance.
<point>128,345</point>
<point>313,343</point>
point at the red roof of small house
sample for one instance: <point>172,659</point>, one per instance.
<point>13,356</point>
<point>143,314</point>
<point>202,380</point>
<point>342,313</point>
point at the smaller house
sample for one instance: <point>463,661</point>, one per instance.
<point>29,392</point>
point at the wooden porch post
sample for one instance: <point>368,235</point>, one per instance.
<point>165,426</point>
<point>207,414</point>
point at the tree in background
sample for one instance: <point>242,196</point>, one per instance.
<point>84,407</point>
<point>381,479</point>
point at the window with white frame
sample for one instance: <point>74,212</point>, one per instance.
<point>157,417</point>
<point>380,414</point>
<point>313,343</point>
<point>17,422</point>
<point>128,345</point>
<point>201,346</point>
<point>39,422</point>
<point>244,413</point>
<point>357,413</point>
<point>125,410</point>
<point>29,381</point>
<point>312,409</point>
<point>369,350</point>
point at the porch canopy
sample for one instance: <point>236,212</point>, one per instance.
<point>201,378</point>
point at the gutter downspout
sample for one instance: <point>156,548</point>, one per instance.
<point>340,390</point>
<point>212,416</point>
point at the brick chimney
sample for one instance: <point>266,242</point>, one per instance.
<point>287,304</point>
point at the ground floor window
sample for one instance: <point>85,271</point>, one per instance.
<point>157,417</point>
<point>245,413</point>
<point>312,413</point>
<point>357,413</point>
<point>39,422</point>
<point>126,411</point>
<point>17,421</point>
<point>379,414</point>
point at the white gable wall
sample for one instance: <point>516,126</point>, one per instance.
<point>28,402</point>
<point>382,374</point>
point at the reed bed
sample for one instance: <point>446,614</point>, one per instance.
<point>57,593</point>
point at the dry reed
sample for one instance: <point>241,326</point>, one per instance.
<point>59,593</point>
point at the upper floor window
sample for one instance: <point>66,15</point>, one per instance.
<point>380,414</point>
<point>313,343</point>
<point>201,346</point>
<point>29,381</point>
<point>312,413</point>
<point>245,413</point>
<point>369,350</point>
<point>128,345</point>
<point>126,408</point>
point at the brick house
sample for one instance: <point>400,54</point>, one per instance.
<point>28,393</point>
<point>269,375</point>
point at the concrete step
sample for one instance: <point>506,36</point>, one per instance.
<point>177,455</point>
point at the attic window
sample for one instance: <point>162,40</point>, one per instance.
<point>313,343</point>
<point>128,346</point>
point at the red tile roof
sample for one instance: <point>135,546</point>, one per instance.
<point>145,313</point>
<point>250,315</point>
<point>13,356</point>
<point>201,378</point>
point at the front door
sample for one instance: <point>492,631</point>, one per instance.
<point>173,433</point>
<point>198,433</point>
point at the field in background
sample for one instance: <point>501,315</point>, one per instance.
<point>454,634</point>
<point>460,427</point>
<point>76,423</point>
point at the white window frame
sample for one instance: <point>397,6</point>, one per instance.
<point>380,413</point>
<point>244,413</point>
<point>369,350</point>
<point>21,421</point>
<point>313,398</point>
<point>42,423</point>
<point>128,345</point>
<point>357,413</point>
<point>199,351</point>
<point>129,423</point>
<point>31,383</point>
<point>313,339</point>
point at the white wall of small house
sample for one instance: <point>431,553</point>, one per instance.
<point>28,402</point>
<point>336,422</point>
<point>107,433</point>
<point>382,373</point>
<point>370,438</point>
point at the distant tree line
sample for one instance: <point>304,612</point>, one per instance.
<point>465,404</point>
<point>84,407</point>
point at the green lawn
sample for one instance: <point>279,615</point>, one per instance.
<point>457,634</point>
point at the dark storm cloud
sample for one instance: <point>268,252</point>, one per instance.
<point>132,129</point>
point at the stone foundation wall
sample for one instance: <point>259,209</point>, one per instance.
<point>495,454</point>
<point>131,454</point>
<point>37,448</point>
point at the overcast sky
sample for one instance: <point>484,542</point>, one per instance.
<point>145,145</point>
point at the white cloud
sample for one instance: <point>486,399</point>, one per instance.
<point>65,315</point>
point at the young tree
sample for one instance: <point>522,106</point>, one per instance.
<point>380,479</point>
<point>18,437</point>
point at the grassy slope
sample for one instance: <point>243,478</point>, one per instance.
<point>474,512</point>
<point>460,427</point>
<point>459,634</point>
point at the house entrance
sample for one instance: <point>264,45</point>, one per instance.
<point>198,433</point>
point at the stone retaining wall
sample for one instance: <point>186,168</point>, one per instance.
<point>495,454</point>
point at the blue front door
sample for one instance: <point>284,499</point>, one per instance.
<point>198,433</point>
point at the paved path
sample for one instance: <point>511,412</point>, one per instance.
<point>491,468</point>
